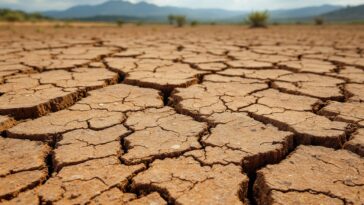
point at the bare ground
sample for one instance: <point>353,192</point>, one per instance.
<point>96,114</point>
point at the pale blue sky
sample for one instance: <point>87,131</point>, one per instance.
<point>33,5</point>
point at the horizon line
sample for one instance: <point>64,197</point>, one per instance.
<point>185,7</point>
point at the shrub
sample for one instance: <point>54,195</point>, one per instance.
<point>180,21</point>
<point>319,21</point>
<point>194,23</point>
<point>258,19</point>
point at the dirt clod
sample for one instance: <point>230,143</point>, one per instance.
<point>311,173</point>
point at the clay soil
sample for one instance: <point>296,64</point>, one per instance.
<point>152,114</point>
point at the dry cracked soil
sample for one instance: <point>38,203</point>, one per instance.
<point>158,115</point>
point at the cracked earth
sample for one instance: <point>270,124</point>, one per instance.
<point>160,115</point>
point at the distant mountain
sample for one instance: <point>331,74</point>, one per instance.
<point>350,13</point>
<point>116,9</point>
<point>140,10</point>
<point>303,12</point>
<point>109,18</point>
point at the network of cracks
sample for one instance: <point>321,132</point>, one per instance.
<point>188,116</point>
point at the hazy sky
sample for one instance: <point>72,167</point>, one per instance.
<point>225,4</point>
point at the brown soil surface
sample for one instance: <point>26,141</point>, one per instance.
<point>6,122</point>
<point>155,115</point>
<point>309,173</point>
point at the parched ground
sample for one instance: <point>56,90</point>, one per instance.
<point>159,115</point>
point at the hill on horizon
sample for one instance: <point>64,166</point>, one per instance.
<point>114,10</point>
<point>142,10</point>
<point>350,13</point>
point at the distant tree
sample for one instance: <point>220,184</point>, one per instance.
<point>171,19</point>
<point>258,19</point>
<point>319,21</point>
<point>180,20</point>
<point>213,23</point>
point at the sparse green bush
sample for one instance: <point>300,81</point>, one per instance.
<point>319,21</point>
<point>194,23</point>
<point>258,19</point>
<point>213,23</point>
<point>180,21</point>
<point>120,22</point>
